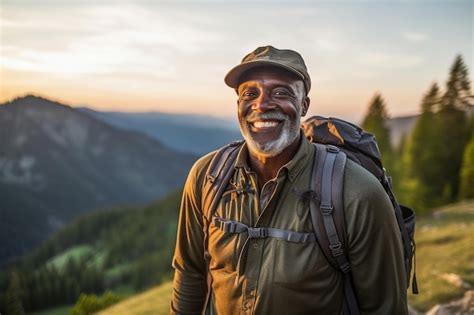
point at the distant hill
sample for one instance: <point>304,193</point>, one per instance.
<point>197,134</point>
<point>57,162</point>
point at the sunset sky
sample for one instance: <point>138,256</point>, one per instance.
<point>172,56</point>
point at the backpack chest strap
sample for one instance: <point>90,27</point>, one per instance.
<point>229,226</point>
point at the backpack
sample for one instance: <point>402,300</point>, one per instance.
<point>335,141</point>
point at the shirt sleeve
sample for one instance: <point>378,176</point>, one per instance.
<point>375,246</point>
<point>190,277</point>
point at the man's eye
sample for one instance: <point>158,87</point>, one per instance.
<point>281,93</point>
<point>248,94</point>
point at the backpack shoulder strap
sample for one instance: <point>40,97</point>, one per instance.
<point>327,213</point>
<point>218,174</point>
<point>328,216</point>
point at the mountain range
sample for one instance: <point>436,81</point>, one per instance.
<point>57,162</point>
<point>196,134</point>
<point>200,134</point>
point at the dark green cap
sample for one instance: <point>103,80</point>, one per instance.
<point>270,56</point>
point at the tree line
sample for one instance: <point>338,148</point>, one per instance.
<point>27,291</point>
<point>434,164</point>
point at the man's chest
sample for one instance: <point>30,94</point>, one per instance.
<point>273,224</point>
<point>247,261</point>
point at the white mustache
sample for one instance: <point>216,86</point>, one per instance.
<point>254,116</point>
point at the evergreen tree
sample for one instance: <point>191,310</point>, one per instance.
<point>458,87</point>
<point>466,190</point>
<point>375,122</point>
<point>13,296</point>
<point>399,169</point>
<point>467,173</point>
<point>420,172</point>
<point>452,134</point>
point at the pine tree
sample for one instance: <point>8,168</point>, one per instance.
<point>399,169</point>
<point>467,173</point>
<point>421,172</point>
<point>458,87</point>
<point>466,189</point>
<point>375,122</point>
<point>13,295</point>
<point>452,134</point>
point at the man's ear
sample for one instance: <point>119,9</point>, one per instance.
<point>305,106</point>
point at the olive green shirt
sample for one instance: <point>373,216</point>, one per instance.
<point>273,276</point>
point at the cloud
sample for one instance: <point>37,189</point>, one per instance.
<point>94,39</point>
<point>327,45</point>
<point>380,59</point>
<point>415,37</point>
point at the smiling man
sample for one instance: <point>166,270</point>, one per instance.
<point>270,105</point>
<point>246,243</point>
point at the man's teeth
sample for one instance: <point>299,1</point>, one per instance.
<point>265,124</point>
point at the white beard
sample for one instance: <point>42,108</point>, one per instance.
<point>289,133</point>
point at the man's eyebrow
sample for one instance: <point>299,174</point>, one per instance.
<point>245,86</point>
<point>286,87</point>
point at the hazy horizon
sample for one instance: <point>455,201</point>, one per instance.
<point>138,56</point>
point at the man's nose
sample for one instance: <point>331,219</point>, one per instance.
<point>263,103</point>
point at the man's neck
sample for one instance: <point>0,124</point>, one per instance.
<point>267,167</point>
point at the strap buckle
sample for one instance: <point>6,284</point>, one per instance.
<point>326,209</point>
<point>257,232</point>
<point>336,249</point>
<point>225,226</point>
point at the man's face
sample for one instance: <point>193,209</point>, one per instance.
<point>270,105</point>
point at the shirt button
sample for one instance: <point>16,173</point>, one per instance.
<point>255,245</point>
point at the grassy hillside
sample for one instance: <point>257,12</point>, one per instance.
<point>445,255</point>
<point>155,301</point>
<point>444,249</point>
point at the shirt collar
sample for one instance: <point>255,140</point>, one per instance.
<point>293,167</point>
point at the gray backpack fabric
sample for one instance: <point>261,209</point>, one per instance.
<point>335,141</point>
<point>361,147</point>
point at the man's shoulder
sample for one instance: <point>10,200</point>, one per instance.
<point>360,184</point>
<point>199,168</point>
<point>202,165</point>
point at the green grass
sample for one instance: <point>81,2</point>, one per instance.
<point>76,252</point>
<point>60,310</point>
<point>124,290</point>
<point>155,301</point>
<point>444,246</point>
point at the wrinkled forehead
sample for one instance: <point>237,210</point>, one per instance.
<point>270,73</point>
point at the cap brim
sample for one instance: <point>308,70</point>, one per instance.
<point>233,76</point>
